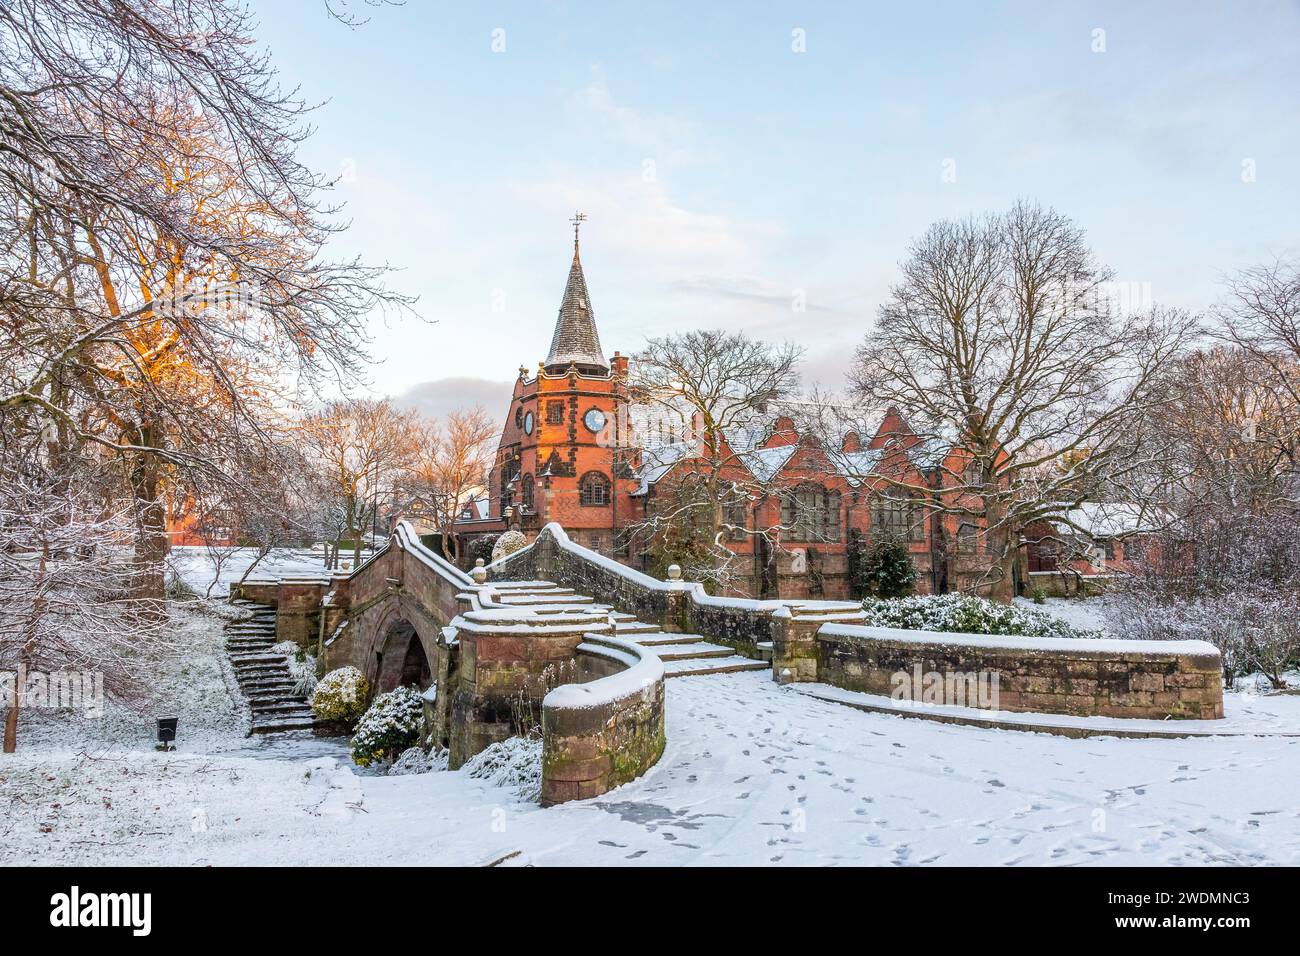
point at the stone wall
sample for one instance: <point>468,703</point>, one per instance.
<point>605,733</point>
<point>677,607</point>
<point>1081,677</point>
<point>509,659</point>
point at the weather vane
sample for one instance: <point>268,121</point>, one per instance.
<point>578,219</point>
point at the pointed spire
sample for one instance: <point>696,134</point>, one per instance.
<point>576,341</point>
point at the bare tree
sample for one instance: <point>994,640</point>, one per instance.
<point>450,462</point>
<point>162,247</point>
<point>713,398</point>
<point>1000,343</point>
<point>1262,317</point>
<point>362,448</point>
<point>67,595</point>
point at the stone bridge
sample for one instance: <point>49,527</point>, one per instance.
<point>521,646</point>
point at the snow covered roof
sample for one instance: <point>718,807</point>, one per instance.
<point>928,452</point>
<point>764,463</point>
<point>660,459</point>
<point>855,465</point>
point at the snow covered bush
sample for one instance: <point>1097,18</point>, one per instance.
<point>302,666</point>
<point>340,695</point>
<point>418,760</point>
<point>966,614</point>
<point>1226,578</point>
<point>508,544</point>
<point>514,763</point>
<point>389,727</point>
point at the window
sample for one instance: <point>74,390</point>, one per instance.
<point>737,517</point>
<point>507,486</point>
<point>519,417</point>
<point>593,490</point>
<point>967,538</point>
<point>1108,546</point>
<point>526,497</point>
<point>895,515</point>
<point>555,412</point>
<point>811,513</point>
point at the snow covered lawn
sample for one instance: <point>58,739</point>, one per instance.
<point>753,774</point>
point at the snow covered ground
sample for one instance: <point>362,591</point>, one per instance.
<point>753,774</point>
<point>1084,613</point>
<point>196,567</point>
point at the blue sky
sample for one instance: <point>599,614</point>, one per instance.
<point>724,173</point>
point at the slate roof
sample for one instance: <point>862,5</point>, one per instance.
<point>575,340</point>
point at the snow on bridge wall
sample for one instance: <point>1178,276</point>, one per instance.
<point>496,666</point>
<point>676,606</point>
<point>1077,676</point>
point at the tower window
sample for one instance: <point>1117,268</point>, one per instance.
<point>526,495</point>
<point>593,490</point>
<point>555,412</point>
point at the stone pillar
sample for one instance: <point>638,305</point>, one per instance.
<point>794,647</point>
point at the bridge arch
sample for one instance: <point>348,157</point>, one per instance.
<point>403,656</point>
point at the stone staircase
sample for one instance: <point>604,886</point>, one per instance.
<point>263,675</point>
<point>684,655</point>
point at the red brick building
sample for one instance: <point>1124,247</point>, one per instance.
<point>579,449</point>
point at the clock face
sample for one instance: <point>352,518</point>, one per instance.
<point>594,419</point>
<point>528,423</point>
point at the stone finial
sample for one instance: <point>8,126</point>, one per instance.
<point>479,574</point>
<point>674,572</point>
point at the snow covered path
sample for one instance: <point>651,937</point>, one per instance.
<point>753,774</point>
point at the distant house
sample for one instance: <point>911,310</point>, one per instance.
<point>1091,543</point>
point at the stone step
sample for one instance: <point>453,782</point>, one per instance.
<point>253,659</point>
<point>720,665</point>
<point>551,592</point>
<point>664,637</point>
<point>636,627</point>
<point>528,600</point>
<point>270,688</point>
<point>279,723</point>
<point>278,707</point>
<point>252,675</point>
<point>515,585</point>
<point>697,651</point>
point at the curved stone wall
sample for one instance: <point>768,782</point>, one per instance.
<point>1076,676</point>
<point>601,734</point>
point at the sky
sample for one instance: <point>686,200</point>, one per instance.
<point>763,166</point>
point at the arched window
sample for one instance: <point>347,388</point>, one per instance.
<point>811,513</point>
<point>526,495</point>
<point>593,490</point>
<point>507,486</point>
<point>898,515</point>
<point>967,538</point>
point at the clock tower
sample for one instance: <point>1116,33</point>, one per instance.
<point>563,446</point>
